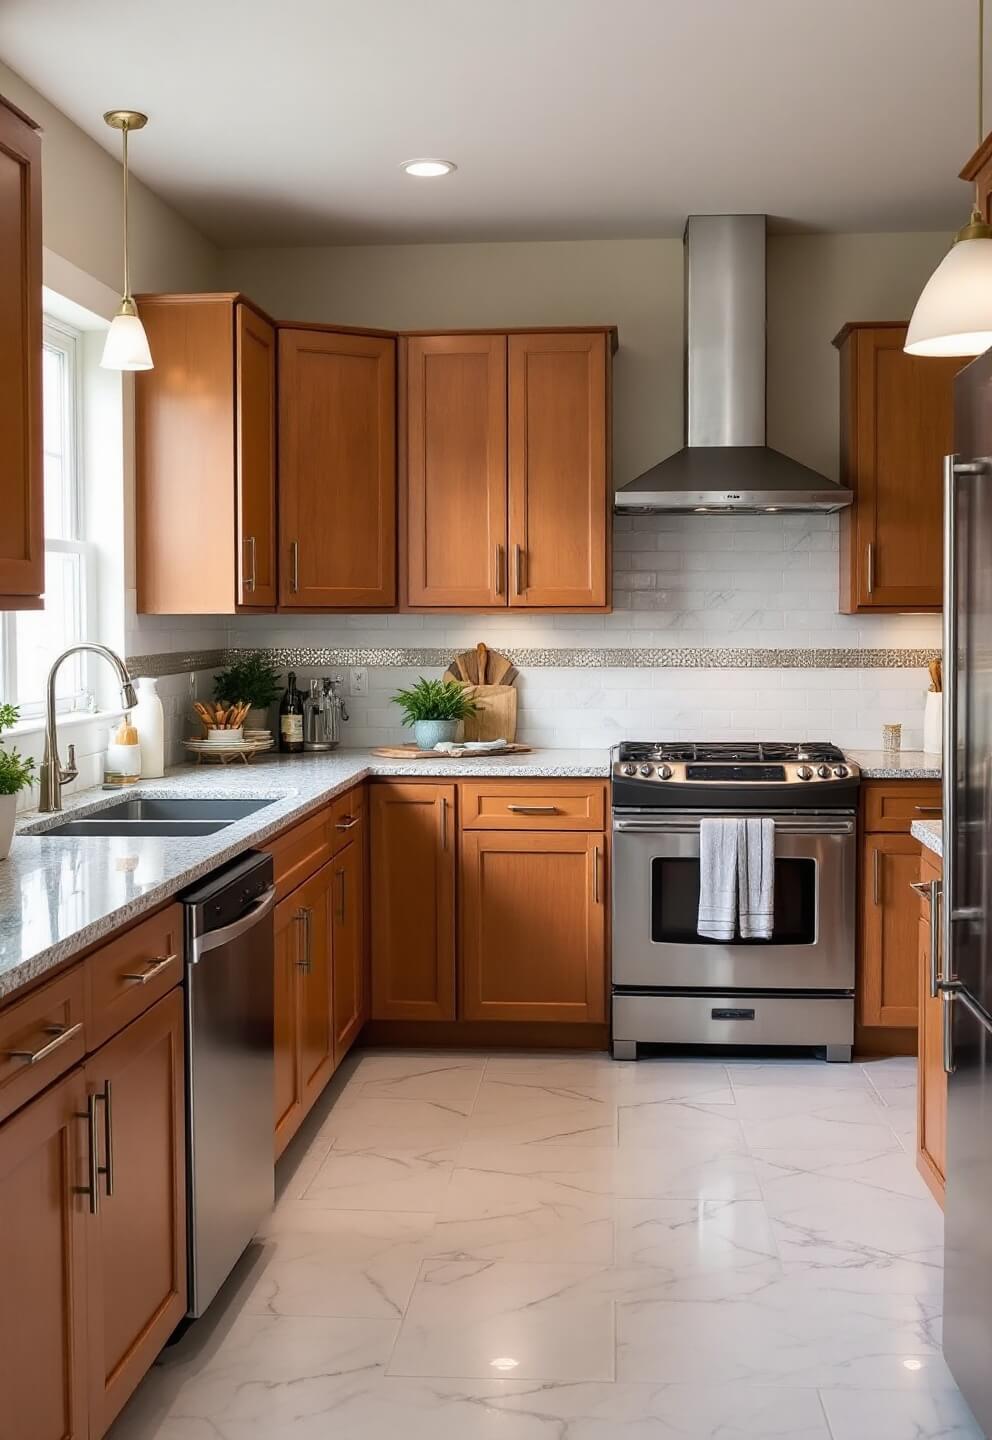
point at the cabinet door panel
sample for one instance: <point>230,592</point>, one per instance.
<point>558,471</point>
<point>137,1240</point>
<point>256,409</point>
<point>22,545</point>
<point>43,1266</point>
<point>349,949</point>
<point>888,980</point>
<point>931,1078</point>
<point>288,1097</point>
<point>337,470</point>
<point>413,903</point>
<point>316,989</point>
<point>456,469</point>
<point>533,926</point>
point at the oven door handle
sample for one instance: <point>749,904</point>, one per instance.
<point>684,825</point>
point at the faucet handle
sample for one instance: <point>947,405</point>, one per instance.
<point>71,770</point>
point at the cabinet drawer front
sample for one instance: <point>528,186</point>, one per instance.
<point>127,977</point>
<point>41,1037</point>
<point>348,818</point>
<point>894,807</point>
<point>532,805</point>
<point>299,852</point>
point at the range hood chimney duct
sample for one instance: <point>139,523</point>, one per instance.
<point>726,466</point>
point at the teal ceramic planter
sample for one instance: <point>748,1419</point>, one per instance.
<point>428,733</point>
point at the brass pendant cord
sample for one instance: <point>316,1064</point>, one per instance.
<point>127,279</point>
<point>981,87</point>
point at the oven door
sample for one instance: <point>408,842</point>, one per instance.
<point>656,899</point>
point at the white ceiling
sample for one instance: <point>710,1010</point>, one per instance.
<point>284,121</point>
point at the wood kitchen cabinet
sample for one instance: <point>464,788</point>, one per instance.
<point>350,1008</point>
<point>303,1020</point>
<point>136,1240</point>
<point>533,908</point>
<point>507,496</point>
<point>337,469</point>
<point>897,423</point>
<point>931,1078</point>
<point>413,859</point>
<point>287,1079</point>
<point>22,541</point>
<point>205,457</point>
<point>43,1302</point>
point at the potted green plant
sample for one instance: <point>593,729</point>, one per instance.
<point>435,708</point>
<point>15,775</point>
<point>250,678</point>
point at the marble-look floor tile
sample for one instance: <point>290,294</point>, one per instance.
<point>770,1329</point>
<point>689,1237</point>
<point>801,1073</point>
<point>684,1127</point>
<point>381,1077</point>
<point>898,1415</point>
<point>357,1122</point>
<point>895,1073</point>
<point>473,1318</point>
<point>649,1079</point>
<point>509,1112</point>
<point>383,1178</point>
<point>339,1263</point>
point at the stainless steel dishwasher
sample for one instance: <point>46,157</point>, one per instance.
<point>229,1067</point>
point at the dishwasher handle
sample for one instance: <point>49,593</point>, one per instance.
<point>214,939</point>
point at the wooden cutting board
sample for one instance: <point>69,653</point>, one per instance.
<point>491,676</point>
<point>410,752</point>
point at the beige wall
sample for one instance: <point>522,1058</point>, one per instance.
<point>81,209</point>
<point>815,283</point>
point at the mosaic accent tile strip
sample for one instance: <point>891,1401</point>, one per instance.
<point>566,658</point>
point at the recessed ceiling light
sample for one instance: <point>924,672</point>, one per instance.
<point>427,168</point>
<point>504,1362</point>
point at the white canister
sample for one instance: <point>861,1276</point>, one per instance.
<point>933,723</point>
<point>148,718</point>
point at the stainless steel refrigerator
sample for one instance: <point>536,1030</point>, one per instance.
<point>966,959</point>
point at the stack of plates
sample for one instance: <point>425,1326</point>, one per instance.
<point>258,735</point>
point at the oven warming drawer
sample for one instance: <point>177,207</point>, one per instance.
<point>739,1019</point>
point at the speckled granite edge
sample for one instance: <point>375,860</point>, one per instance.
<point>930,834</point>
<point>897,765</point>
<point>296,787</point>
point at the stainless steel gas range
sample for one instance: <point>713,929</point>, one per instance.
<point>673,986</point>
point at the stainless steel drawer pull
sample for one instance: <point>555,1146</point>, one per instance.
<point>342,884</point>
<point>929,809</point>
<point>294,560</point>
<point>107,1168</point>
<point>518,569</point>
<point>871,568</point>
<point>61,1036</point>
<point>155,967</point>
<point>444,822</point>
<point>533,809</point>
<point>92,1187</point>
<point>595,874</point>
<point>348,823</point>
<point>876,881</point>
<point>498,570</point>
<point>250,576</point>
<point>303,915</point>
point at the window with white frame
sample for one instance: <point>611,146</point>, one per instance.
<point>31,639</point>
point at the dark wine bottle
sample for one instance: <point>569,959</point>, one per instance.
<point>291,718</point>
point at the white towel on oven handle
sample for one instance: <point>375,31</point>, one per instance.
<point>756,878</point>
<point>719,842</point>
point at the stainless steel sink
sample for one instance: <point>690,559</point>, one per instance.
<point>141,815</point>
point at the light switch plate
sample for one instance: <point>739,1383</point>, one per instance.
<point>358,680</point>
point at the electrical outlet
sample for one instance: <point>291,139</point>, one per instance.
<point>358,680</point>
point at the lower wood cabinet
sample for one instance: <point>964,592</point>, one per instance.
<point>931,1148</point>
<point>890,930</point>
<point>533,910</point>
<point>136,1240</point>
<point>414,849</point>
<point>43,1299</point>
<point>350,1007</point>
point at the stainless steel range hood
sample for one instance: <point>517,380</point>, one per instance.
<point>726,465</point>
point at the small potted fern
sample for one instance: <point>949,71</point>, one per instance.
<point>435,708</point>
<point>250,678</point>
<point>16,773</point>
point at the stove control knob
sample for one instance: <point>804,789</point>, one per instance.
<point>664,772</point>
<point>645,770</point>
<point>841,772</point>
<point>629,769</point>
<point>804,772</point>
<point>823,771</point>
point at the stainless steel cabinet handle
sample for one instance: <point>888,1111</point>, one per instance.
<point>303,915</point>
<point>444,822</point>
<point>348,823</point>
<point>928,809</point>
<point>871,567</point>
<point>930,890</point>
<point>155,968</point>
<point>533,809</point>
<point>341,895</point>
<point>947,1031</point>
<point>518,569</point>
<point>250,574</point>
<point>876,877</point>
<point>595,874</point>
<point>107,1168</point>
<point>61,1036</point>
<point>498,570</point>
<point>294,560</point>
<point>92,1187</point>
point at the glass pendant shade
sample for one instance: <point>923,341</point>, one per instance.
<point>126,346</point>
<point>953,315</point>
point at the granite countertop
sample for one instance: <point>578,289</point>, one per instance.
<point>60,895</point>
<point>929,833</point>
<point>896,764</point>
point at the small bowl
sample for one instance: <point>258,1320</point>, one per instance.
<point>232,736</point>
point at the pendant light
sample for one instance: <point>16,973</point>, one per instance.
<point>127,343</point>
<point>953,315</point>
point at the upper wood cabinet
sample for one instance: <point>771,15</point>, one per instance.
<point>22,544</point>
<point>897,423</point>
<point>205,457</point>
<point>337,470</point>
<point>507,495</point>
